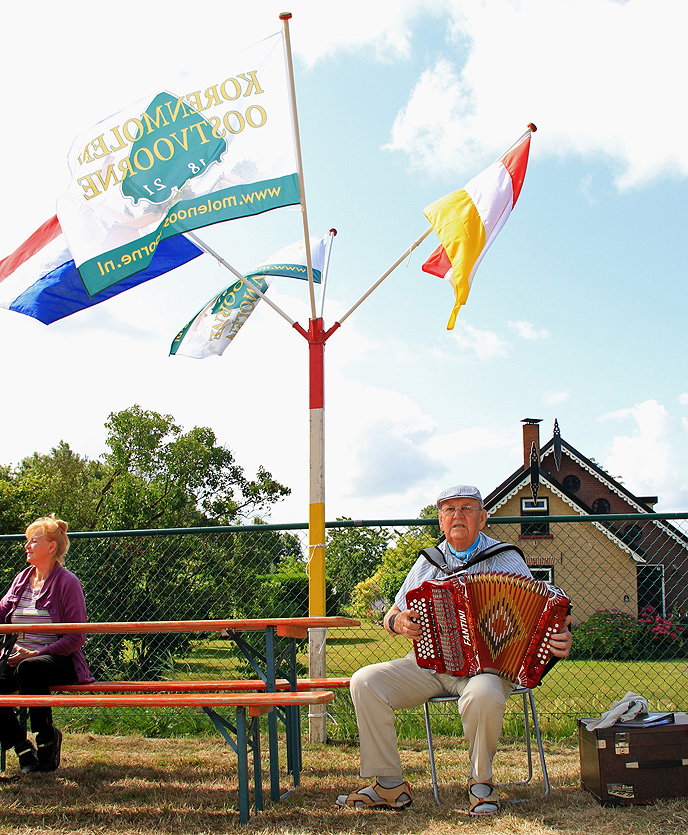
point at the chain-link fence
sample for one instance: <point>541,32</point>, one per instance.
<point>626,577</point>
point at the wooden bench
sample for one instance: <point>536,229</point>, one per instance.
<point>247,733</point>
<point>281,697</point>
<point>194,686</point>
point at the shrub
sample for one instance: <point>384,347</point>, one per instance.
<point>607,636</point>
<point>367,603</point>
<point>610,635</point>
<point>664,637</point>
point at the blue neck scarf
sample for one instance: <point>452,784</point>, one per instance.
<point>463,555</point>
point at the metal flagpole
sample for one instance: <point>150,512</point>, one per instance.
<point>285,17</point>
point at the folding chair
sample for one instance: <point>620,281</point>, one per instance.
<point>528,702</point>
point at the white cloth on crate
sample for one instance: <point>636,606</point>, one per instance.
<point>624,710</point>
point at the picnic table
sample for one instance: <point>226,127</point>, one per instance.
<point>268,644</point>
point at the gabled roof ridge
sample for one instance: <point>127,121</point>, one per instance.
<point>598,473</point>
<point>615,486</point>
<point>525,481</point>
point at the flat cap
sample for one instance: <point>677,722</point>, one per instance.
<point>460,491</point>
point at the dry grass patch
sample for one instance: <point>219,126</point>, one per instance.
<point>134,786</point>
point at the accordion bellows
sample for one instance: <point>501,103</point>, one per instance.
<point>487,623</point>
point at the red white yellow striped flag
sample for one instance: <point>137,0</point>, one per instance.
<point>467,221</point>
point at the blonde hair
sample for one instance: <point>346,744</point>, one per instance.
<point>54,530</point>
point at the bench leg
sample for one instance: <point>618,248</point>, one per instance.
<point>257,770</point>
<point>295,722</point>
<point>272,716</point>
<point>242,764</point>
<point>247,737</point>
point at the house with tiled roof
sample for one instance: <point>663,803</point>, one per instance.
<point>625,563</point>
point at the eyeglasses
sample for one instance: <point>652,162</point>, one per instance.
<point>464,510</point>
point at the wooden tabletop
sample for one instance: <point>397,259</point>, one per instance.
<point>287,627</point>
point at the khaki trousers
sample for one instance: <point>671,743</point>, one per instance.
<point>380,689</point>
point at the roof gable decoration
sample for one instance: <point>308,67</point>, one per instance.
<point>612,485</point>
<point>534,472</point>
<point>557,444</point>
<point>600,527</point>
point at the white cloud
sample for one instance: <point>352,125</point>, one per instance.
<point>475,343</point>
<point>528,331</point>
<point>481,455</point>
<point>586,189</point>
<point>383,28</point>
<point>554,398</point>
<point>652,460</point>
<point>618,414</point>
<point>471,439</point>
<point>683,399</point>
<point>380,456</point>
<point>594,75</point>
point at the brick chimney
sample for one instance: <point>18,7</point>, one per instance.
<point>531,435</point>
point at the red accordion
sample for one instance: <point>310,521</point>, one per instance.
<point>488,623</point>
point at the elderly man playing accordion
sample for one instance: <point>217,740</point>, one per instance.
<point>380,689</point>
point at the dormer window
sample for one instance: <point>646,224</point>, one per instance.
<point>537,507</point>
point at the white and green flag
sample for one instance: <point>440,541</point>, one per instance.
<point>217,324</point>
<point>174,163</point>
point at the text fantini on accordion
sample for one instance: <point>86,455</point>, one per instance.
<point>488,623</point>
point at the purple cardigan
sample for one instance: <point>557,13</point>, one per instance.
<point>63,597</point>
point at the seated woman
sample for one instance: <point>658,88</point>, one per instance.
<point>45,592</point>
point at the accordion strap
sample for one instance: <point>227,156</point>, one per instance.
<point>436,557</point>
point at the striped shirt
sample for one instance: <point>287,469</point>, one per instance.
<point>26,612</point>
<point>508,562</point>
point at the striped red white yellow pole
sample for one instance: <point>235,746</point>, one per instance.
<point>316,336</point>
<point>316,507</point>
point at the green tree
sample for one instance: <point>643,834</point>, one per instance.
<point>154,476</point>
<point>11,502</point>
<point>377,592</point>
<point>63,483</point>
<point>351,555</point>
<point>398,560</point>
<point>161,476</point>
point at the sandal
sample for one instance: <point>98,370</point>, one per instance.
<point>397,798</point>
<point>483,799</point>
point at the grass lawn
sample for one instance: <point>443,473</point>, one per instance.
<point>134,786</point>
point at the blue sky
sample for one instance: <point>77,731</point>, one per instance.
<point>577,312</point>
